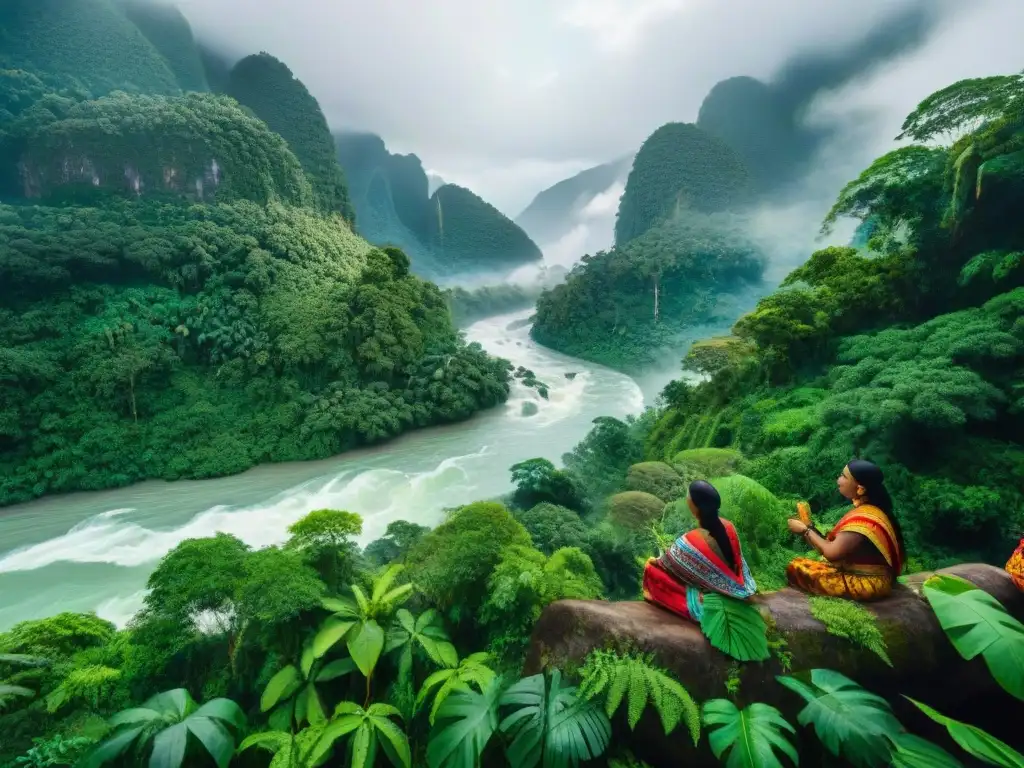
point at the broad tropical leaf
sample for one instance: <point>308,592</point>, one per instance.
<point>464,724</point>
<point>10,692</point>
<point>848,720</point>
<point>424,632</point>
<point>735,628</point>
<point>910,751</point>
<point>165,725</point>
<point>550,724</point>
<point>281,686</point>
<point>288,751</point>
<point>975,741</point>
<point>977,624</point>
<point>365,645</point>
<point>472,670</point>
<point>369,728</point>
<point>748,738</point>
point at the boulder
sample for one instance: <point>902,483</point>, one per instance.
<point>925,664</point>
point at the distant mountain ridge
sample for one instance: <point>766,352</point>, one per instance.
<point>553,212</point>
<point>445,230</point>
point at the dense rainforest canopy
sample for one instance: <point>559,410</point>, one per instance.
<point>177,299</point>
<point>267,87</point>
<point>679,166</point>
<point>625,306</point>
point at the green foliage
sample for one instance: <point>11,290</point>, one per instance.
<point>635,680</point>
<point>369,728</point>
<point>465,723</point>
<point>537,481</point>
<point>325,538</point>
<point>55,751</point>
<point>848,720</point>
<point>735,628</point>
<point>601,459</point>
<point>357,620</point>
<point>268,87</point>
<point>759,517</point>
<point>706,463</point>
<point>847,619</point>
<point>61,635</point>
<point>657,479</point>
<point>978,625</point>
<point>423,633</point>
<point>165,725</point>
<point>962,108</point>
<point>399,537</point>
<point>291,695</point>
<point>472,670</point>
<point>975,741</point>
<point>910,751</point>
<point>553,527</point>
<point>170,33</point>
<point>522,584</point>
<point>750,737</point>
<point>279,336</point>
<point>626,306</point>
<point>551,725</point>
<point>88,43</point>
<point>193,147</point>
<point>678,166</point>
<point>468,233</point>
<point>634,510</point>
<point>451,564</point>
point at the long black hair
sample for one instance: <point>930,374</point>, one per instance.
<point>870,477</point>
<point>708,502</point>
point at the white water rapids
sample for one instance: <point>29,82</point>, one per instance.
<point>94,551</point>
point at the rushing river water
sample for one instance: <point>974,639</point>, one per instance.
<point>94,551</point>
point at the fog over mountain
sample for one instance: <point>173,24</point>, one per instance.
<point>543,90</point>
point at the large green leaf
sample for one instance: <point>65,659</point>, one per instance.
<point>214,737</point>
<point>222,709</point>
<point>331,632</point>
<point>464,725</point>
<point>281,686</point>
<point>365,645</point>
<point>335,669</point>
<point>735,628</point>
<point>975,741</point>
<point>977,624</point>
<point>848,720</point>
<point>169,747</point>
<point>111,748</point>
<point>549,722</point>
<point>750,736</point>
<point>912,751</point>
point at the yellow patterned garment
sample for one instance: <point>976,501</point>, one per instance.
<point>819,577</point>
<point>1015,566</point>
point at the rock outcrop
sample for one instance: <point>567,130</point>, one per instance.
<point>925,665</point>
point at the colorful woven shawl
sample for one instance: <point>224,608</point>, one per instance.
<point>693,562</point>
<point>874,524</point>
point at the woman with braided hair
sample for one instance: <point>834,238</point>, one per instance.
<point>706,559</point>
<point>863,554</point>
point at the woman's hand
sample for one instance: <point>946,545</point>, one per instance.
<point>797,527</point>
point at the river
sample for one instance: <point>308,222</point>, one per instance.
<point>94,551</point>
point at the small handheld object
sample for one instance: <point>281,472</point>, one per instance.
<point>803,510</point>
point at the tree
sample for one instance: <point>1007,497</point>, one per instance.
<point>325,537</point>
<point>357,620</point>
<point>167,724</point>
<point>537,481</point>
<point>399,537</point>
<point>962,108</point>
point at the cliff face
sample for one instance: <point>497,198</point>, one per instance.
<point>925,664</point>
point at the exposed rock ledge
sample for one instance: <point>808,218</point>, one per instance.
<point>925,664</point>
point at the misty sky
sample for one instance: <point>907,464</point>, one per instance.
<point>509,96</point>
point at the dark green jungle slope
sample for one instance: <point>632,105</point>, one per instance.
<point>178,296</point>
<point>203,313</point>
<point>452,231</point>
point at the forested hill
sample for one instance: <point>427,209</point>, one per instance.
<point>179,293</point>
<point>553,212</point>
<point>448,232</point>
<point>682,256</point>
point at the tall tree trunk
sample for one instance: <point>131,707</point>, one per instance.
<point>131,394</point>
<point>657,280</point>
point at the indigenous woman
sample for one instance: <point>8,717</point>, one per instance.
<point>863,554</point>
<point>707,559</point>
<point>1015,566</point>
